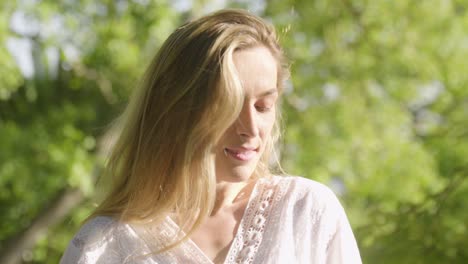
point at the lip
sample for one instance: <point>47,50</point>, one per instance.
<point>241,153</point>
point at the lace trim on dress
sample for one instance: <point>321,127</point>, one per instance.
<point>252,226</point>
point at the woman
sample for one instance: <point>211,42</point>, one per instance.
<point>190,169</point>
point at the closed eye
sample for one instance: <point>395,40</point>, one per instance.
<point>263,109</point>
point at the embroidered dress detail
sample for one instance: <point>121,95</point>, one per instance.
<point>250,233</point>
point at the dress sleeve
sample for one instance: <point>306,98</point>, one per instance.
<point>342,248</point>
<point>95,242</point>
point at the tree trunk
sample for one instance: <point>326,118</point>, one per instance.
<point>54,214</point>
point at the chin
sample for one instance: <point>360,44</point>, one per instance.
<point>243,174</point>
<point>237,174</point>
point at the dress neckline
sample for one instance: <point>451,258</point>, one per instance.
<point>254,193</point>
<point>244,246</point>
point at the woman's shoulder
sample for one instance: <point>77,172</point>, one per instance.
<point>304,185</point>
<point>95,230</point>
<point>316,210</point>
<point>91,240</point>
<point>300,189</point>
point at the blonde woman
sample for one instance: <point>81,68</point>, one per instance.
<point>190,169</point>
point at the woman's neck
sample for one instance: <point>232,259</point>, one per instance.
<point>231,193</point>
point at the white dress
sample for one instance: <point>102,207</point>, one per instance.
<point>287,220</point>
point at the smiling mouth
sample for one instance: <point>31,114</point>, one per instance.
<point>241,154</point>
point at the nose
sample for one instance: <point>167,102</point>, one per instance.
<point>247,125</point>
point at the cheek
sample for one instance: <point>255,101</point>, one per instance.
<point>267,125</point>
<point>227,136</point>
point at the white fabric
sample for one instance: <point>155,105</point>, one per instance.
<point>287,220</point>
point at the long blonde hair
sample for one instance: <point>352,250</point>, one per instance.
<point>163,160</point>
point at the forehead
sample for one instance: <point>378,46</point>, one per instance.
<point>257,70</point>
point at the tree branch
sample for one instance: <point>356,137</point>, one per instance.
<point>65,201</point>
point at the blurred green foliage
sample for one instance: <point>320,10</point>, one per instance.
<point>377,108</point>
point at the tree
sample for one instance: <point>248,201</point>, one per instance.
<point>87,56</point>
<point>376,110</point>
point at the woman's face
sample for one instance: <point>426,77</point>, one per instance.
<point>243,143</point>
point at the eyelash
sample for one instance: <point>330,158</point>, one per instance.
<point>262,109</point>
